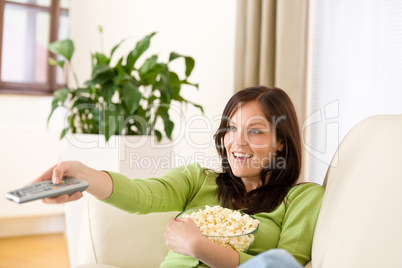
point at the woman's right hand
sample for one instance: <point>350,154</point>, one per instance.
<point>56,173</point>
<point>100,183</point>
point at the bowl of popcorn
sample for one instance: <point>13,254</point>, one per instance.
<point>226,227</point>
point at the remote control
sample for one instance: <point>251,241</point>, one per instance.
<point>43,189</point>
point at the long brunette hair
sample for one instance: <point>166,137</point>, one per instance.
<point>280,112</point>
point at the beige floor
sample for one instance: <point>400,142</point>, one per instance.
<point>40,251</point>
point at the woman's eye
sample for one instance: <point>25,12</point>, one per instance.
<point>231,128</point>
<point>255,131</point>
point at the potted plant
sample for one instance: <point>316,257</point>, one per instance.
<point>121,99</point>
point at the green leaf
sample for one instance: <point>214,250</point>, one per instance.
<point>113,123</point>
<point>119,63</point>
<point>102,73</point>
<point>150,77</point>
<point>142,113</point>
<point>149,71</point>
<point>81,92</point>
<point>168,124</point>
<point>176,85</point>
<point>101,58</point>
<point>191,84</point>
<point>122,74</point>
<point>116,47</point>
<point>141,122</point>
<point>93,60</point>
<point>55,105</point>
<point>96,120</point>
<point>89,83</point>
<point>121,112</point>
<point>82,99</point>
<point>59,97</point>
<point>140,48</point>
<point>192,103</point>
<point>164,85</point>
<point>54,62</point>
<point>99,69</point>
<point>165,97</point>
<point>64,132</point>
<point>107,91</point>
<point>103,77</point>
<point>61,63</point>
<point>158,135</point>
<point>122,78</point>
<point>109,125</point>
<point>70,120</point>
<point>198,106</point>
<point>151,99</point>
<point>173,56</point>
<point>132,96</point>
<point>148,64</point>
<point>189,65</point>
<point>64,48</point>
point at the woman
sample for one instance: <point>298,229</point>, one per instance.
<point>259,143</point>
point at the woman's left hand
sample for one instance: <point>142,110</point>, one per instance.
<point>183,235</point>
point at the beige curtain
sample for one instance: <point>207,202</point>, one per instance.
<point>271,47</point>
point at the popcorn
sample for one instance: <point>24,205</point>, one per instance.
<point>225,227</point>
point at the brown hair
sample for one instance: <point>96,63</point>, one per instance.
<point>280,112</point>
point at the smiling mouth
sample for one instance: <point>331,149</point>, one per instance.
<point>242,156</point>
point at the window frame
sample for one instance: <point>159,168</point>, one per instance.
<point>51,85</point>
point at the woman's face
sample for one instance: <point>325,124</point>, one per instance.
<point>250,141</point>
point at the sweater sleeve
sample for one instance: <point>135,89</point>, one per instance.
<point>302,207</point>
<point>299,221</point>
<point>169,192</point>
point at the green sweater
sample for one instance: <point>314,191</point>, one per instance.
<point>290,226</point>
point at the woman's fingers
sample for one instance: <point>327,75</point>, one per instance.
<point>76,196</point>
<point>56,200</point>
<point>57,172</point>
<point>62,198</point>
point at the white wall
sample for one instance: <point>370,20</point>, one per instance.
<point>27,149</point>
<point>202,29</point>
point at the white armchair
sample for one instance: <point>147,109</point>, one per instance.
<point>360,222</point>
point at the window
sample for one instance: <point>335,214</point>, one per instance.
<point>26,29</point>
<point>356,67</point>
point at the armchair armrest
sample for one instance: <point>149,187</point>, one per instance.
<point>114,237</point>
